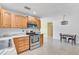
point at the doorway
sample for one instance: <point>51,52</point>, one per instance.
<point>50,29</point>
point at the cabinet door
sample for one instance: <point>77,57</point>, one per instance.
<point>34,20</point>
<point>50,29</point>
<point>15,22</point>
<point>31,19</point>
<point>21,44</point>
<point>38,22</point>
<point>19,21</point>
<point>6,18</point>
<point>41,39</point>
<point>24,22</point>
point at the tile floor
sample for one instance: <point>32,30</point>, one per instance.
<point>55,47</point>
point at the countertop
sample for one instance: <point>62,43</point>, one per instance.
<point>8,51</point>
<point>19,35</point>
<point>12,36</point>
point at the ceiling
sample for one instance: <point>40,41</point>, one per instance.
<point>42,9</point>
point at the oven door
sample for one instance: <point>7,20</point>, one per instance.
<point>35,38</point>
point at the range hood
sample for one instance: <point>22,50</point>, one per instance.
<point>31,25</point>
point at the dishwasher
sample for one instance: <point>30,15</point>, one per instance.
<point>5,45</point>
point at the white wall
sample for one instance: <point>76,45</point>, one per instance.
<point>55,22</point>
<point>71,28</point>
<point>72,15</point>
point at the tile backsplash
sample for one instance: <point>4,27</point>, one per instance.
<point>10,31</point>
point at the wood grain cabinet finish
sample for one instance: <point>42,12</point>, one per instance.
<point>21,44</point>
<point>15,21</point>
<point>11,20</point>
<point>5,18</point>
<point>41,39</point>
<point>23,22</point>
<point>34,20</point>
<point>38,22</point>
<point>19,21</point>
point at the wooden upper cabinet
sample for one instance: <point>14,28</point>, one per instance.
<point>11,20</point>
<point>15,21</point>
<point>5,18</point>
<point>38,22</point>
<point>19,21</point>
<point>34,20</point>
<point>31,19</point>
<point>24,22</point>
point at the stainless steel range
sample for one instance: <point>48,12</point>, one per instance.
<point>35,39</point>
<point>34,33</point>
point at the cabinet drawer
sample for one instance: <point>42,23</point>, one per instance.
<point>23,48</point>
<point>27,47</point>
<point>20,48</point>
<point>21,44</point>
<point>18,42</point>
<point>26,41</point>
<point>25,37</point>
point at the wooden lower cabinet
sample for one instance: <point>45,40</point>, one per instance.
<point>41,39</point>
<point>21,44</point>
